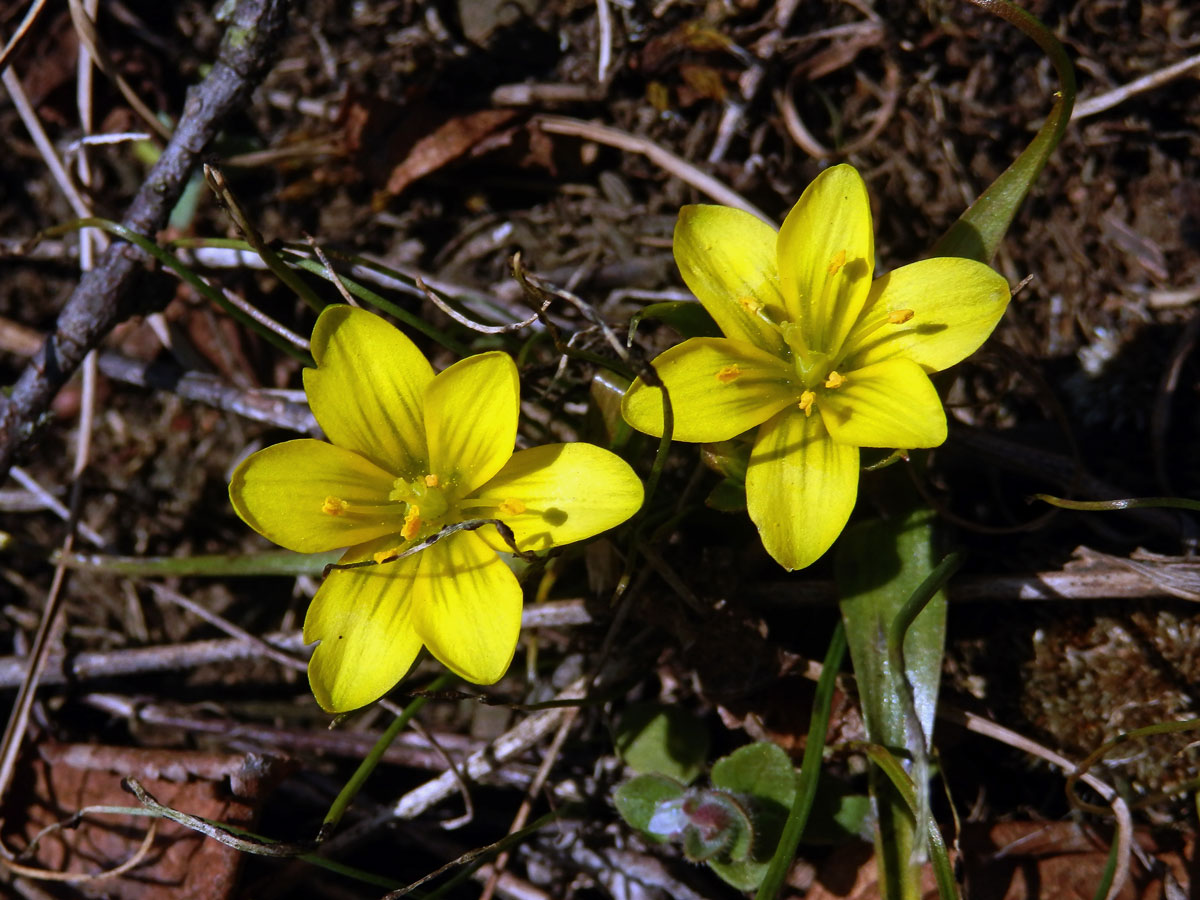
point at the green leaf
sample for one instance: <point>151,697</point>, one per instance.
<point>221,565</point>
<point>764,775</point>
<point>662,739</point>
<point>762,771</point>
<point>979,230</point>
<point>687,317</point>
<point>897,657</point>
<point>727,496</point>
<point>607,389</point>
<point>638,799</point>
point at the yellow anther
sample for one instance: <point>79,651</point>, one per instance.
<point>835,380</point>
<point>729,373</point>
<point>900,316</point>
<point>750,305</point>
<point>431,481</point>
<point>383,556</point>
<point>412,523</point>
<point>839,260</point>
<point>806,402</point>
<point>512,507</point>
<point>334,506</point>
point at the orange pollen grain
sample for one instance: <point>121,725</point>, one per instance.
<point>412,523</point>
<point>431,481</point>
<point>839,260</point>
<point>807,399</point>
<point>900,316</point>
<point>334,506</point>
<point>512,507</point>
<point>835,380</point>
<point>384,555</point>
<point>750,305</point>
<point>729,373</point>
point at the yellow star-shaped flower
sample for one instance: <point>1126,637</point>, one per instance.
<point>818,356</point>
<point>410,453</point>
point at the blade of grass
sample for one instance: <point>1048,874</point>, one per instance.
<point>347,794</point>
<point>979,230</point>
<point>169,260</point>
<point>217,565</point>
<point>810,769</point>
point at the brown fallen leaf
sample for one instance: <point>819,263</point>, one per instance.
<point>445,143</point>
<point>181,863</point>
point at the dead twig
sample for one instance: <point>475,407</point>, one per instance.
<point>660,156</point>
<point>100,300</point>
<point>1154,80</point>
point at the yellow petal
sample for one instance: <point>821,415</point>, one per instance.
<point>956,304</point>
<point>800,487</point>
<point>364,621</point>
<point>469,608</point>
<point>718,388</point>
<point>727,259</point>
<point>311,497</point>
<point>889,404</point>
<point>556,494</point>
<point>826,257</point>
<point>471,420</point>
<point>368,387</point>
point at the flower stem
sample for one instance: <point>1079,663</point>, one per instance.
<point>347,794</point>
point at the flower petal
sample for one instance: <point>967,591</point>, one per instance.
<point>889,404</point>
<point>364,621</point>
<point>556,494</point>
<point>727,259</point>
<point>469,607</point>
<point>826,257</point>
<point>311,497</point>
<point>718,388</point>
<point>368,387</point>
<point>471,420</point>
<point>800,487</point>
<point>956,304</point>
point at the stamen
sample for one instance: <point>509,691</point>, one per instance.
<point>835,380</point>
<point>900,316</point>
<point>838,261</point>
<point>729,373</point>
<point>512,507</point>
<point>806,402</point>
<point>334,506</point>
<point>431,481</point>
<point>412,523</point>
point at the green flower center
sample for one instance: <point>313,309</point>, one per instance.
<point>427,505</point>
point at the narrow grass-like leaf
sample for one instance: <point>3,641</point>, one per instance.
<point>810,769</point>
<point>218,565</point>
<point>169,260</point>
<point>979,230</point>
<point>1124,503</point>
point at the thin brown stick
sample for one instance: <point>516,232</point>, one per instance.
<point>1154,80</point>
<point>660,156</point>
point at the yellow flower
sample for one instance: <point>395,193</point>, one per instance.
<point>819,357</point>
<point>412,452</point>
